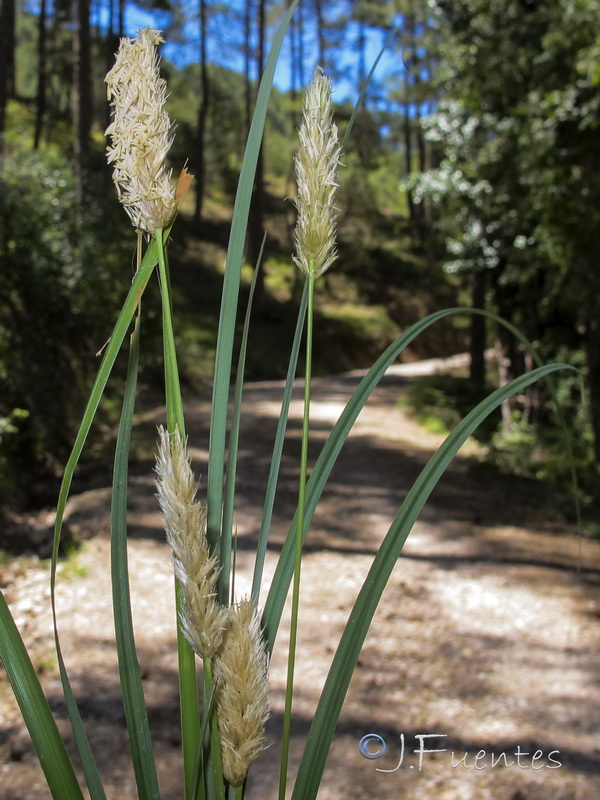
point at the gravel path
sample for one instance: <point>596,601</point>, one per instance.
<point>487,635</point>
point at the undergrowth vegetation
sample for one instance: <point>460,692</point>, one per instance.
<point>525,441</point>
<point>439,402</point>
<point>64,268</point>
<point>62,281</point>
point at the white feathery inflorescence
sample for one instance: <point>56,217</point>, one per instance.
<point>203,619</point>
<point>317,162</point>
<point>141,133</point>
<point>241,685</point>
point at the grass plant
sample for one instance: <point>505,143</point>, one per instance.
<point>222,732</point>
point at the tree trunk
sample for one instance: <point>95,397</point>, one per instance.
<point>408,58</point>
<point>593,361</point>
<point>419,210</point>
<point>421,144</point>
<point>408,151</point>
<point>293,31</point>
<point>7,61</point>
<point>361,46</point>
<point>248,9</point>
<point>428,209</point>
<point>320,33</point>
<point>477,333</point>
<point>82,94</point>
<point>301,53</point>
<point>202,116</point>
<point>40,105</point>
<point>110,49</point>
<point>503,357</point>
<point>121,18</point>
<point>510,360</point>
<point>257,209</point>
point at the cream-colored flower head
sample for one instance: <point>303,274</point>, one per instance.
<point>317,162</point>
<point>141,133</point>
<point>241,692</point>
<point>203,619</point>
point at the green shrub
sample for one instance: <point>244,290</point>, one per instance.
<point>57,292</point>
<point>535,448</point>
<point>439,402</point>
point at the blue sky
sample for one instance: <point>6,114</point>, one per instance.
<point>224,52</point>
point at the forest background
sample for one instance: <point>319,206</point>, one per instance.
<point>471,177</point>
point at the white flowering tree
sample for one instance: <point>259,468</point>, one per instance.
<point>518,144</point>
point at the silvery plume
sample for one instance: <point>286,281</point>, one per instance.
<point>141,133</point>
<point>317,162</point>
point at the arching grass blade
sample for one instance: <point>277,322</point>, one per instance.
<point>139,283</point>
<point>265,525</point>
<point>36,712</point>
<point>231,286</point>
<point>136,715</point>
<point>332,698</point>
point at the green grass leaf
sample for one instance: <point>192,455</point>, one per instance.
<point>226,588</point>
<point>130,305</point>
<point>265,525</point>
<point>36,712</point>
<point>231,287</point>
<point>328,456</point>
<point>188,681</point>
<point>332,697</point>
<point>324,464</point>
<point>134,704</point>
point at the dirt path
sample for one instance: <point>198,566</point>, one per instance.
<point>487,635</point>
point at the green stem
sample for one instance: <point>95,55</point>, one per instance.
<point>226,577</point>
<point>188,686</point>
<point>172,387</point>
<point>214,774</point>
<point>289,689</point>
<point>136,714</point>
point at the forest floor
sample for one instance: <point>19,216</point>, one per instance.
<point>488,634</point>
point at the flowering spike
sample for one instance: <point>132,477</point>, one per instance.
<point>317,162</point>
<point>203,619</point>
<point>141,133</point>
<point>241,692</point>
